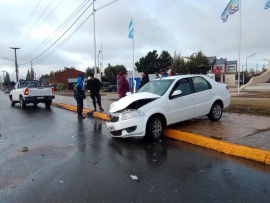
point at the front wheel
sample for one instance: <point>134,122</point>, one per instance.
<point>154,128</point>
<point>12,102</point>
<point>22,103</point>
<point>215,112</point>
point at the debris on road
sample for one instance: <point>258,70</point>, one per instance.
<point>24,149</point>
<point>135,178</point>
<point>61,182</point>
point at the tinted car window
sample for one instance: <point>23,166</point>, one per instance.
<point>184,86</point>
<point>201,84</point>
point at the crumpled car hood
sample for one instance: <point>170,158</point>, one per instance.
<point>127,100</point>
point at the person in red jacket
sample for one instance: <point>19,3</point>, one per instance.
<point>123,86</point>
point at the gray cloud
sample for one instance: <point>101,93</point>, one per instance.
<point>172,25</point>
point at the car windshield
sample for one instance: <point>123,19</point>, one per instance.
<point>158,87</point>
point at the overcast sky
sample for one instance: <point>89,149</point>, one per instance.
<point>36,26</point>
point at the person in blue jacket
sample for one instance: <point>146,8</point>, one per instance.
<point>79,95</point>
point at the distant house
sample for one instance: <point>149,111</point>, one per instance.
<point>68,77</point>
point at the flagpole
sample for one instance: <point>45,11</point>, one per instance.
<point>239,44</point>
<point>134,88</point>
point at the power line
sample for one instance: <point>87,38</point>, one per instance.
<point>29,33</point>
<point>44,20</point>
<point>61,35</point>
<point>26,22</point>
<point>64,41</point>
<point>112,2</point>
<point>60,28</point>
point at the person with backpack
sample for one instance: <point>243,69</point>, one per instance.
<point>79,96</point>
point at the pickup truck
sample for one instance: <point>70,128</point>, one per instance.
<point>31,91</point>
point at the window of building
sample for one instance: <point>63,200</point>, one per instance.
<point>231,67</point>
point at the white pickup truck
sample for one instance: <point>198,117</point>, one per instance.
<point>31,91</point>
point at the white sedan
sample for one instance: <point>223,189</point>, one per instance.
<point>166,101</point>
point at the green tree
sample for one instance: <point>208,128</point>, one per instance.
<point>111,72</point>
<point>7,79</point>
<point>89,70</point>
<point>44,78</point>
<point>179,65</point>
<point>164,60</point>
<point>198,63</point>
<point>32,74</point>
<point>28,75</point>
<point>152,62</point>
<point>148,63</point>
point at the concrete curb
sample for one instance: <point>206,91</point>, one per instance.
<point>251,153</point>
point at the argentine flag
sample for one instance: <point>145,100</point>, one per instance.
<point>267,5</point>
<point>231,8</point>
<point>130,34</point>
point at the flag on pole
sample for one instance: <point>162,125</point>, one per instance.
<point>130,34</point>
<point>231,8</point>
<point>267,5</point>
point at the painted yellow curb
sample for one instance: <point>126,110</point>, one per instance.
<point>99,115</point>
<point>221,146</point>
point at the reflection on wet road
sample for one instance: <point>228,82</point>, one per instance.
<point>77,161</point>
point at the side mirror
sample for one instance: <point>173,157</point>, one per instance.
<point>128,93</point>
<point>176,93</point>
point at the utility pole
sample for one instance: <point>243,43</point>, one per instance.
<point>256,69</point>
<point>16,64</point>
<point>95,68</point>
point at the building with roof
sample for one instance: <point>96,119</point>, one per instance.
<point>67,77</point>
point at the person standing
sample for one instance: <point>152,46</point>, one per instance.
<point>94,85</point>
<point>123,85</point>
<point>79,96</point>
<point>163,73</point>
<point>171,73</point>
<point>145,79</point>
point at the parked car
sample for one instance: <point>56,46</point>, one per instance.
<point>113,88</point>
<point>106,86</point>
<point>31,91</point>
<point>166,101</point>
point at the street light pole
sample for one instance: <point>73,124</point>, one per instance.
<point>98,60</point>
<point>16,64</point>
<point>268,63</point>
<point>246,67</point>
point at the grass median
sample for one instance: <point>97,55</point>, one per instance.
<point>254,107</point>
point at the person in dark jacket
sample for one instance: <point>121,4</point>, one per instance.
<point>79,95</point>
<point>145,79</point>
<point>123,85</point>
<point>94,85</point>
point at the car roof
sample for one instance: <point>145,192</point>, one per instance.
<point>179,77</point>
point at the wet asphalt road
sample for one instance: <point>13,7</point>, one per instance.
<point>72,161</point>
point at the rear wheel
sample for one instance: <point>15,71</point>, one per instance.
<point>154,128</point>
<point>22,103</point>
<point>48,103</point>
<point>215,112</point>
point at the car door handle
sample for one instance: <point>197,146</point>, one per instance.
<point>191,98</point>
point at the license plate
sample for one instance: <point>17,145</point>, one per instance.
<point>111,128</point>
<point>40,97</point>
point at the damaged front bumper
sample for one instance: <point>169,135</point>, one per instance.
<point>129,123</point>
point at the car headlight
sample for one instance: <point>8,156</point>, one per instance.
<point>131,114</point>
